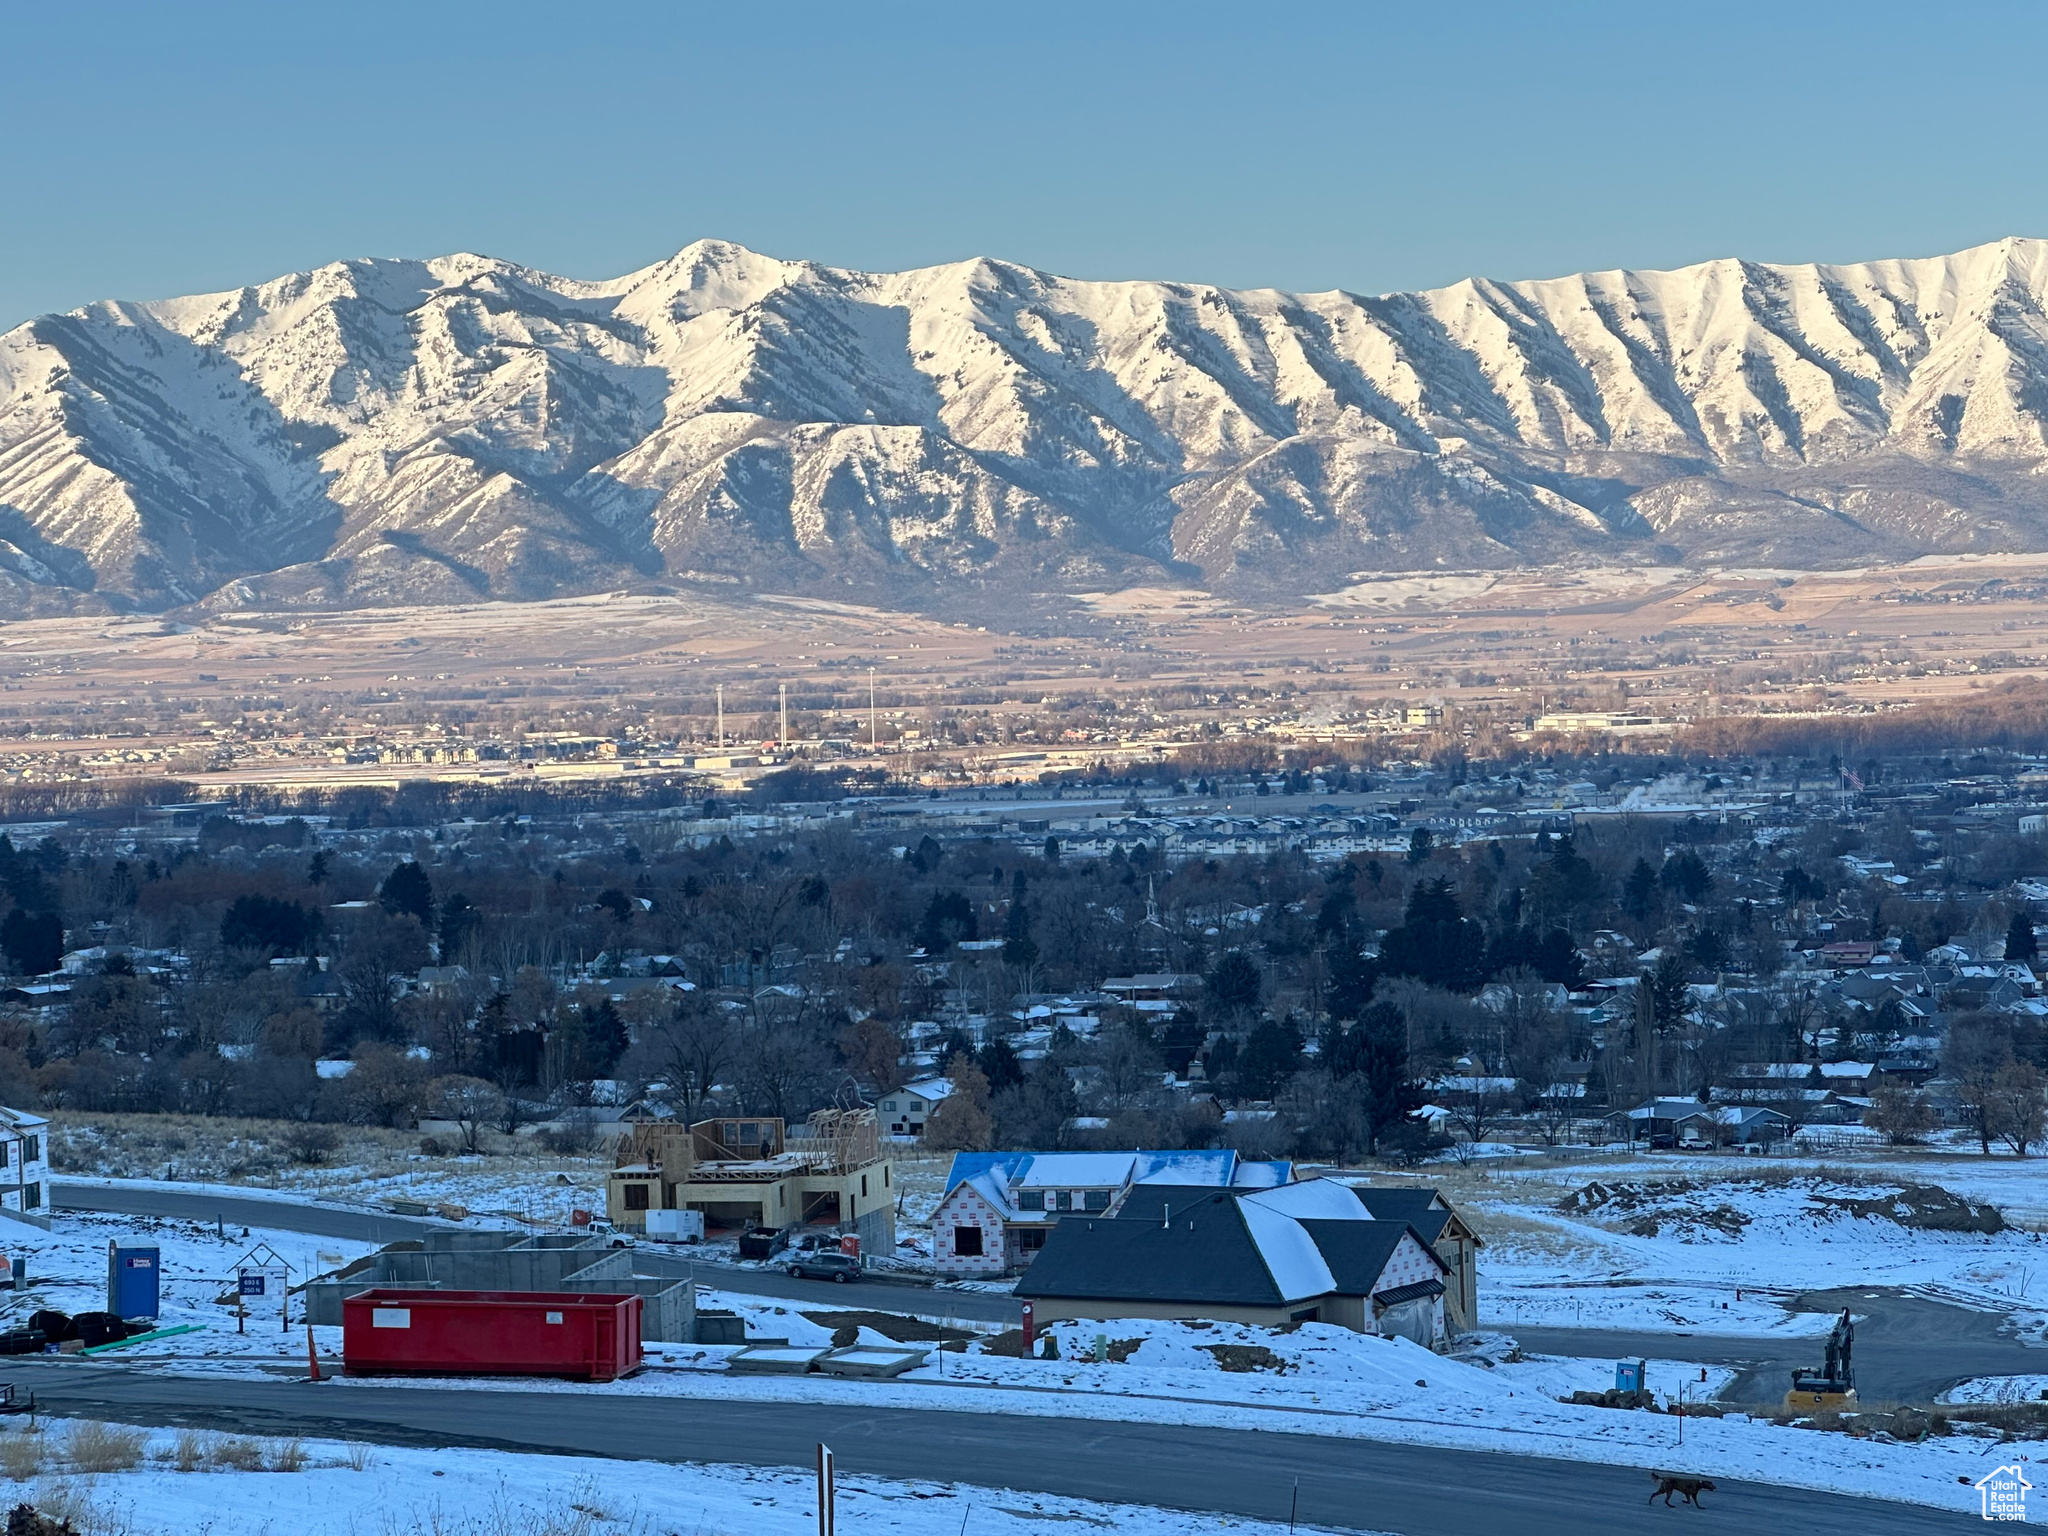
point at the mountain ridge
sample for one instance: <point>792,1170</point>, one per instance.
<point>394,430</point>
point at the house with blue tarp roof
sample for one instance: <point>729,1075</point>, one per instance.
<point>998,1206</point>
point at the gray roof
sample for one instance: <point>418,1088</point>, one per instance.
<point>1204,1254</point>
<point>1418,1207</point>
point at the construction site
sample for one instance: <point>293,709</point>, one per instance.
<point>747,1176</point>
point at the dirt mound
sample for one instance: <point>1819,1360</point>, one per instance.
<point>1246,1357</point>
<point>1646,1210</point>
<point>1925,1208</point>
<point>890,1325</point>
<point>1699,1209</point>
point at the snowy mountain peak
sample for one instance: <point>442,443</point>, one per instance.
<point>398,430</point>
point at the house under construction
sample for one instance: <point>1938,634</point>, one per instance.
<point>745,1171</point>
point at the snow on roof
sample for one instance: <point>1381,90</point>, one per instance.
<point>1297,1266</point>
<point>1076,1170</point>
<point>1312,1199</point>
<point>1216,1169</point>
<point>1261,1175</point>
<point>1200,1167</point>
<point>992,1189</point>
<point>931,1088</point>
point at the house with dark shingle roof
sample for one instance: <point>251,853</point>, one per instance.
<point>1307,1252</point>
<point>999,1206</point>
<point>1437,1222</point>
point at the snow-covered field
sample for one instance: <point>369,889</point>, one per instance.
<point>1999,1389</point>
<point>67,1269</point>
<point>345,1490</point>
<point>1316,1379</point>
<point>1715,1244</point>
<point>519,1179</point>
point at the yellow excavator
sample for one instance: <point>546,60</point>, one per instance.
<point>1833,1386</point>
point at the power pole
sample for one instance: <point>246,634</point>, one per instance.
<point>721,717</point>
<point>782,689</point>
<point>874,735</point>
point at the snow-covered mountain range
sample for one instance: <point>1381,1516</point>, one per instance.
<point>388,431</point>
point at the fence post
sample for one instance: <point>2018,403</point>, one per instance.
<point>826,1523</point>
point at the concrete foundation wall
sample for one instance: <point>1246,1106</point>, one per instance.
<point>504,1261</point>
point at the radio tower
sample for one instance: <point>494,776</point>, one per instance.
<point>782,689</point>
<point>874,736</point>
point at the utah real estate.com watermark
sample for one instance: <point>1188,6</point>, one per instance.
<point>2004,1491</point>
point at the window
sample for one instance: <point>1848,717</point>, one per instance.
<point>885,1175</point>
<point>636,1197</point>
<point>32,1198</point>
<point>1305,1315</point>
<point>31,1149</point>
<point>5,1147</point>
<point>1065,1200</point>
<point>1031,1239</point>
<point>967,1242</point>
<point>1097,1199</point>
<point>1031,1200</point>
<point>863,1186</point>
<point>889,1105</point>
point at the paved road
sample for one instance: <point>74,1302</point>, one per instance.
<point>350,1223</point>
<point>1350,1485</point>
<point>1908,1349</point>
<point>353,1224</point>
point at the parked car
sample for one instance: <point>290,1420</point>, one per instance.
<point>841,1267</point>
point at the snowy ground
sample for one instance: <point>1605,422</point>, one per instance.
<point>1999,1389</point>
<point>1731,1239</point>
<point>1316,1379</point>
<point>345,1490</point>
<point>519,1179</point>
<point>68,1271</point>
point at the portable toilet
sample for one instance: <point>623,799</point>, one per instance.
<point>132,1280</point>
<point>1628,1375</point>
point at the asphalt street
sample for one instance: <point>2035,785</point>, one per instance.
<point>1908,1349</point>
<point>1348,1485</point>
<point>352,1223</point>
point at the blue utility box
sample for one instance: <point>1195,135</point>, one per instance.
<point>1628,1376</point>
<point>132,1280</point>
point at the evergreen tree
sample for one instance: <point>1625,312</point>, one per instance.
<point>1235,984</point>
<point>1639,891</point>
<point>34,942</point>
<point>1435,942</point>
<point>1352,978</point>
<point>1686,874</point>
<point>459,922</point>
<point>267,923</point>
<point>2020,943</point>
<point>999,1065</point>
<point>1272,1054</point>
<point>407,889</point>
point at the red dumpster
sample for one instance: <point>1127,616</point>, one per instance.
<point>500,1333</point>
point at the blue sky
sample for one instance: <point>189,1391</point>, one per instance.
<point>160,149</point>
